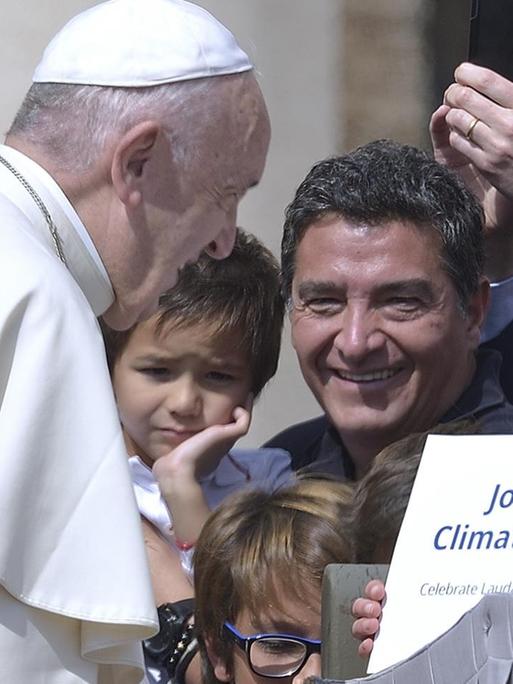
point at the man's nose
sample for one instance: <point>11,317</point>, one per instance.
<point>359,333</point>
<point>222,246</point>
<point>312,668</point>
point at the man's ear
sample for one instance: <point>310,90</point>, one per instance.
<point>221,670</point>
<point>477,309</point>
<point>132,152</point>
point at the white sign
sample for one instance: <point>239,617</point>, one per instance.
<point>455,543</point>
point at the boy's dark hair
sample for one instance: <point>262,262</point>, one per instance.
<point>381,496</point>
<point>240,293</point>
<point>385,181</point>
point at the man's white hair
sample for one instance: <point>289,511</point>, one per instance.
<point>73,123</point>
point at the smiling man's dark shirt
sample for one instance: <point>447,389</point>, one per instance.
<point>316,447</point>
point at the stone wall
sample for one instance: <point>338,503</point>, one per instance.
<point>385,71</point>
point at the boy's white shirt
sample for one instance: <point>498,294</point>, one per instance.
<point>265,468</point>
<point>150,502</point>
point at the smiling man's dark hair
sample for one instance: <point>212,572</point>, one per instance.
<point>385,181</point>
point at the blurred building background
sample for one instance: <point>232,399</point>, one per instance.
<point>335,74</point>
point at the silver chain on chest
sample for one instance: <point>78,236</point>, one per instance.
<point>46,214</point>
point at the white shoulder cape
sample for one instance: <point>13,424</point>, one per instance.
<point>70,540</point>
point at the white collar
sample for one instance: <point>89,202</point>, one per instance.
<point>82,258</point>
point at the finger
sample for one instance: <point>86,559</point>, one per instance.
<point>229,431</point>
<point>469,127</point>
<point>440,135</point>
<point>487,82</point>
<point>375,590</point>
<point>226,435</point>
<point>464,98</point>
<point>438,128</point>
<point>365,628</point>
<point>437,122</point>
<point>242,421</point>
<point>365,608</point>
<point>476,105</point>
<point>238,413</point>
<point>476,153</point>
<point>189,451</point>
<point>365,648</point>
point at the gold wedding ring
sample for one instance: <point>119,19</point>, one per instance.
<point>470,129</point>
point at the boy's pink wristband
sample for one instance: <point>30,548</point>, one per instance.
<point>184,546</point>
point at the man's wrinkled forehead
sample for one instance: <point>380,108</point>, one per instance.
<point>239,132</point>
<point>363,228</point>
<point>307,246</point>
<point>245,106</point>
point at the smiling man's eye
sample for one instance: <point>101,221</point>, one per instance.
<point>404,306</point>
<point>405,302</point>
<point>323,305</point>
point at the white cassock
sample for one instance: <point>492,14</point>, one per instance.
<point>75,592</point>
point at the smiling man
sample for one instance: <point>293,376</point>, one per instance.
<point>382,257</point>
<point>142,130</point>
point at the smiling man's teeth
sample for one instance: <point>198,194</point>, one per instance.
<point>368,377</point>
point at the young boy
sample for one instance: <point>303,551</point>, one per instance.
<point>259,565</point>
<point>184,382</point>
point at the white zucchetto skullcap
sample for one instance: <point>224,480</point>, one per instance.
<point>140,43</point>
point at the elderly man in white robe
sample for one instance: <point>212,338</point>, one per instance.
<point>142,130</point>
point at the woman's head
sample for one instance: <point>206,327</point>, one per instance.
<point>258,566</point>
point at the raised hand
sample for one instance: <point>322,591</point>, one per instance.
<point>472,133</point>
<point>178,472</point>
<point>201,453</point>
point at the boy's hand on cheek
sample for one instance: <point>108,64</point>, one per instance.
<point>178,472</point>
<point>201,453</point>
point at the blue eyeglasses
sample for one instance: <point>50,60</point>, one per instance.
<point>274,655</point>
